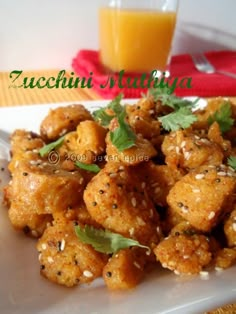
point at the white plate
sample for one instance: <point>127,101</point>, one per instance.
<point>24,291</point>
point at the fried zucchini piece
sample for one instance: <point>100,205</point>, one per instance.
<point>184,253</point>
<point>124,270</point>
<point>45,188</point>
<point>23,219</point>
<point>204,195</point>
<point>187,150</point>
<point>65,260</point>
<point>62,120</point>
<point>117,200</point>
<point>230,229</point>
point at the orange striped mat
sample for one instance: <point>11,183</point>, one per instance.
<point>13,96</point>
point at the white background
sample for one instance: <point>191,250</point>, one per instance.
<point>48,33</point>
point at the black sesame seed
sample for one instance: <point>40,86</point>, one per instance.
<point>217,180</point>
<point>94,203</point>
<point>138,107</point>
<point>77,280</point>
<point>42,267</point>
<point>109,274</point>
<point>59,273</point>
<point>180,204</point>
<point>2,169</point>
<point>205,171</point>
<point>58,246</point>
<point>69,207</point>
<point>26,229</point>
<point>177,233</point>
<point>75,223</point>
<point>101,191</point>
<point>25,174</point>
<point>76,262</point>
<point>114,206</point>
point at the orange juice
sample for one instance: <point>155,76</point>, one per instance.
<point>135,40</point>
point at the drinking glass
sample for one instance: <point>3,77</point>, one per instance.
<point>136,36</point>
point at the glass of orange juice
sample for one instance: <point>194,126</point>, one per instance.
<point>136,36</point>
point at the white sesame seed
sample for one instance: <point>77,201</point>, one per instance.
<point>158,229</point>
<point>211,215</point>
<point>234,226</point>
<point>157,190</point>
<point>144,203</point>
<point>87,274</point>
<point>137,265</point>
<point>221,174</point>
<point>40,255</point>
<point>176,272</point>
<point>186,256</point>
<point>131,231</point>
<point>184,209</point>
<point>218,269</point>
<point>113,175</point>
<point>34,233</point>
<point>197,137</point>
<point>198,199</point>
<point>143,185</point>
<point>199,176</point>
<point>164,265</point>
<point>187,155</point>
<point>183,144</point>
<point>151,213</point>
<point>33,162</point>
<point>196,190</point>
<point>44,246</point>
<point>140,221</point>
<point>177,149</point>
<point>50,260</point>
<point>153,185</point>
<point>63,243</point>
<point>81,180</point>
<point>35,151</point>
<point>133,201</point>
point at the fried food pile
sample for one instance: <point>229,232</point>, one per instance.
<point>172,191</point>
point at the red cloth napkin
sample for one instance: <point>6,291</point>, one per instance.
<point>86,64</point>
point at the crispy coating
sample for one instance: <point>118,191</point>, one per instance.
<point>184,254</point>
<point>203,196</point>
<point>65,260</point>
<point>142,151</point>
<point>116,199</point>
<point>187,150</point>
<point>159,179</point>
<point>230,229</point>
<point>45,189</point>
<point>62,120</point>
<point>124,270</point>
<point>143,119</point>
<point>225,258</point>
<point>24,146</point>
<point>23,219</point>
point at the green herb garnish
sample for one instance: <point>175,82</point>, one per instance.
<point>105,241</point>
<point>123,136</point>
<point>232,162</point>
<point>182,118</point>
<point>223,117</point>
<point>101,115</point>
<point>167,99</point>
<point>88,167</point>
<point>49,147</point>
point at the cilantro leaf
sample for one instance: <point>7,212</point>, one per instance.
<point>47,148</point>
<point>122,137</point>
<point>232,162</point>
<point>105,241</point>
<point>182,118</point>
<point>101,115</point>
<point>88,167</point>
<point>223,117</point>
<point>167,99</point>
